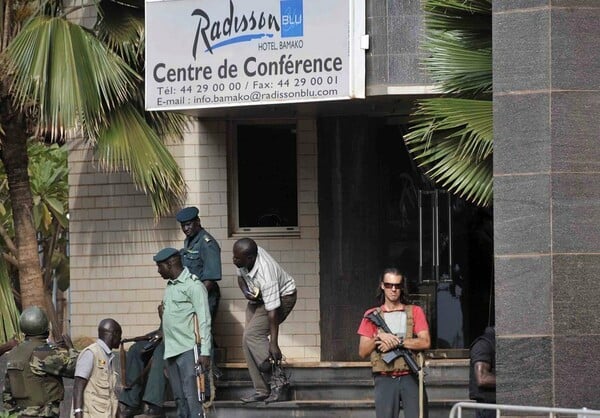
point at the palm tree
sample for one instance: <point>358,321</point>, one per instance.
<point>451,136</point>
<point>61,81</point>
<point>48,175</point>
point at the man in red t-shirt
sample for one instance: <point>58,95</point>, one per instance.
<point>394,382</point>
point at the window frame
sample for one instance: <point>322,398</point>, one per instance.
<point>235,230</point>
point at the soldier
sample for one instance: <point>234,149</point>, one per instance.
<point>34,386</point>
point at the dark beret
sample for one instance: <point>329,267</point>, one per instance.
<point>165,254</point>
<point>187,214</point>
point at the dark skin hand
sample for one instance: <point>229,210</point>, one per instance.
<point>7,346</point>
<point>484,376</point>
<point>78,387</point>
<point>274,349</point>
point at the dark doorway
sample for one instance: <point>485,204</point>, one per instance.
<point>374,213</point>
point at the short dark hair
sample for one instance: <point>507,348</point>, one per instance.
<point>247,246</point>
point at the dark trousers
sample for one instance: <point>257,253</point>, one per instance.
<point>255,341</point>
<point>393,391</point>
<point>182,376</point>
<point>152,390</point>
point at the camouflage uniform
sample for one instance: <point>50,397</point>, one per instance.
<point>34,384</point>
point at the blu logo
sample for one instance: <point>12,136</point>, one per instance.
<point>292,18</point>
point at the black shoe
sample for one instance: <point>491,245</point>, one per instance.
<point>279,394</point>
<point>126,411</point>
<point>152,410</point>
<point>255,397</point>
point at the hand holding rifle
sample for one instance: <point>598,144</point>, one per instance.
<point>393,346</point>
<point>202,365</point>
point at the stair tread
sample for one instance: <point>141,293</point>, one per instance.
<point>333,403</point>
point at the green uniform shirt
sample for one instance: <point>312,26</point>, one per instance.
<point>184,297</point>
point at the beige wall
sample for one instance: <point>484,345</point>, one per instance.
<point>113,237</point>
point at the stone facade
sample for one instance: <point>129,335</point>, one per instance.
<point>547,201</point>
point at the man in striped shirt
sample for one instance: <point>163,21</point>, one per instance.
<point>271,294</point>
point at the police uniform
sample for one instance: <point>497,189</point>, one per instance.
<point>184,298</point>
<point>34,384</point>
<point>201,254</point>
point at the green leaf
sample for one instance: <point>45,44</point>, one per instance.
<point>451,137</point>
<point>72,77</point>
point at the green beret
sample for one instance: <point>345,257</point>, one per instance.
<point>187,214</point>
<point>165,254</point>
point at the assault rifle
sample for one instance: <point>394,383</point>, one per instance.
<point>201,373</point>
<point>392,355</point>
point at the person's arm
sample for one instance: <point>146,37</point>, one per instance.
<point>58,362</point>
<point>7,346</point>
<point>484,376</point>
<point>210,252</point>
<point>421,342</point>
<point>199,298</point>
<point>366,346</point>
<point>369,336</point>
<point>274,349</point>
<point>421,339</point>
<point>78,386</point>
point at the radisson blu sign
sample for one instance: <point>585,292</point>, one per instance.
<point>222,53</point>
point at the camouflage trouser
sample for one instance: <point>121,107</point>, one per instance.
<point>51,410</point>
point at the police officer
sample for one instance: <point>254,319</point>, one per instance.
<point>201,254</point>
<point>35,369</point>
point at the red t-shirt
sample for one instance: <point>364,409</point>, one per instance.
<point>369,329</point>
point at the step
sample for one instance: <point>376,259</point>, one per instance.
<point>311,409</point>
<point>346,381</point>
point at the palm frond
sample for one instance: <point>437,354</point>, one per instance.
<point>71,77</point>
<point>469,15</point>
<point>466,121</point>
<point>457,65</point>
<point>121,27</point>
<point>9,314</point>
<point>130,144</point>
<point>451,138</point>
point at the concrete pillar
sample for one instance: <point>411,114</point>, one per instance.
<point>547,201</point>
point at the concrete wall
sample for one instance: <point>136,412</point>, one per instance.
<point>547,201</point>
<point>395,28</point>
<point>114,235</point>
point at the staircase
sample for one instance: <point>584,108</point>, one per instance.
<point>330,389</point>
<point>326,390</point>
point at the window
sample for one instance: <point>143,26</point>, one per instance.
<point>264,190</point>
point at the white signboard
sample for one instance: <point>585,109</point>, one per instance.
<point>218,53</point>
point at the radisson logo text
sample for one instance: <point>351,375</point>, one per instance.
<point>236,28</point>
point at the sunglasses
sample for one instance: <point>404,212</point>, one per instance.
<point>392,285</point>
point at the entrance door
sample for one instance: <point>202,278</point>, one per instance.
<point>440,285</point>
<point>378,210</point>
